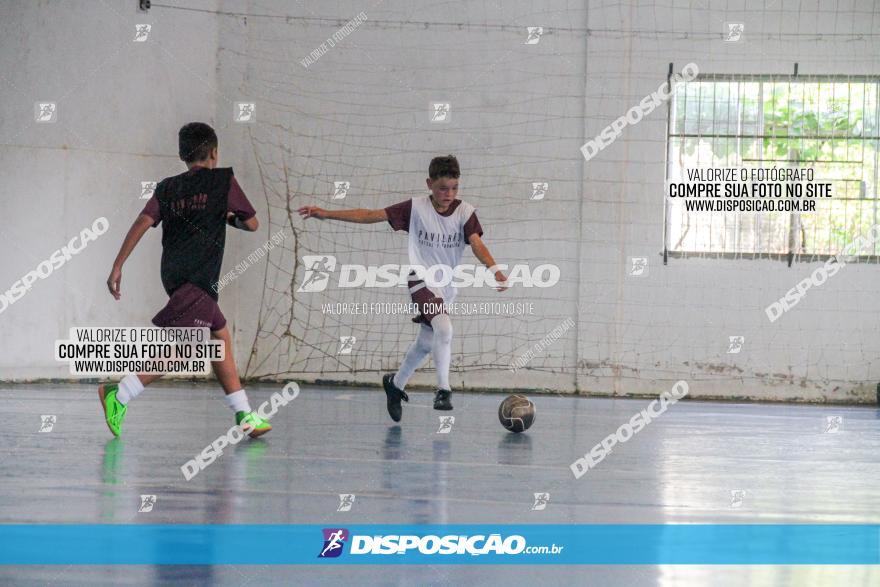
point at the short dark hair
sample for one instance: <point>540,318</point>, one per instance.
<point>444,167</point>
<point>195,141</point>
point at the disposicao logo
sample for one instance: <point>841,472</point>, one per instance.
<point>334,540</point>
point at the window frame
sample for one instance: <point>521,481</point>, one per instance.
<point>790,256</point>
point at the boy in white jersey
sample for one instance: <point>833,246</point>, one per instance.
<point>440,227</point>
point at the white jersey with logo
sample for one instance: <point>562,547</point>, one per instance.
<point>438,240</point>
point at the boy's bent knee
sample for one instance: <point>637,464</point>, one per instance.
<point>442,326</point>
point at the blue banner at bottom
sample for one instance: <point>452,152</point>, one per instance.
<point>601,544</point>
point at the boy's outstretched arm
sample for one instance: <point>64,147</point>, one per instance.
<point>482,253</point>
<point>358,215</point>
<point>137,230</point>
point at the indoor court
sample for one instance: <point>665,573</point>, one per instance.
<point>596,279</point>
<point>681,470</point>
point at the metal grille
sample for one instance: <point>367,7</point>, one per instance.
<point>829,123</point>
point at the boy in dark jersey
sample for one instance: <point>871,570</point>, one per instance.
<point>194,209</point>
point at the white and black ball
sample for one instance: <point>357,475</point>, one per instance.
<point>516,413</point>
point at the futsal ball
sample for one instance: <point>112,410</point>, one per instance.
<point>517,413</point>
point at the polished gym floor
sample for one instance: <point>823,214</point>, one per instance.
<point>699,462</point>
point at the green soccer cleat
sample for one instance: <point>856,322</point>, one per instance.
<point>251,423</point>
<point>114,411</point>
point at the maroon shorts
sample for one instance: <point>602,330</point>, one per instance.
<point>429,305</point>
<point>190,306</point>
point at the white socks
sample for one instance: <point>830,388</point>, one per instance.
<point>414,357</point>
<point>441,349</point>
<point>437,340</point>
<point>238,401</point>
<point>129,388</point>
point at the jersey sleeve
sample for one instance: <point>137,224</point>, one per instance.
<point>237,202</point>
<point>399,215</point>
<point>472,226</point>
<point>152,210</point>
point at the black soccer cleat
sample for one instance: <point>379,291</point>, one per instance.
<point>441,400</point>
<point>394,395</point>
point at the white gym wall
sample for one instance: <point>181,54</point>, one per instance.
<point>360,113</point>
<point>119,110</point>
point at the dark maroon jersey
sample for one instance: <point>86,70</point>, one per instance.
<point>192,208</point>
